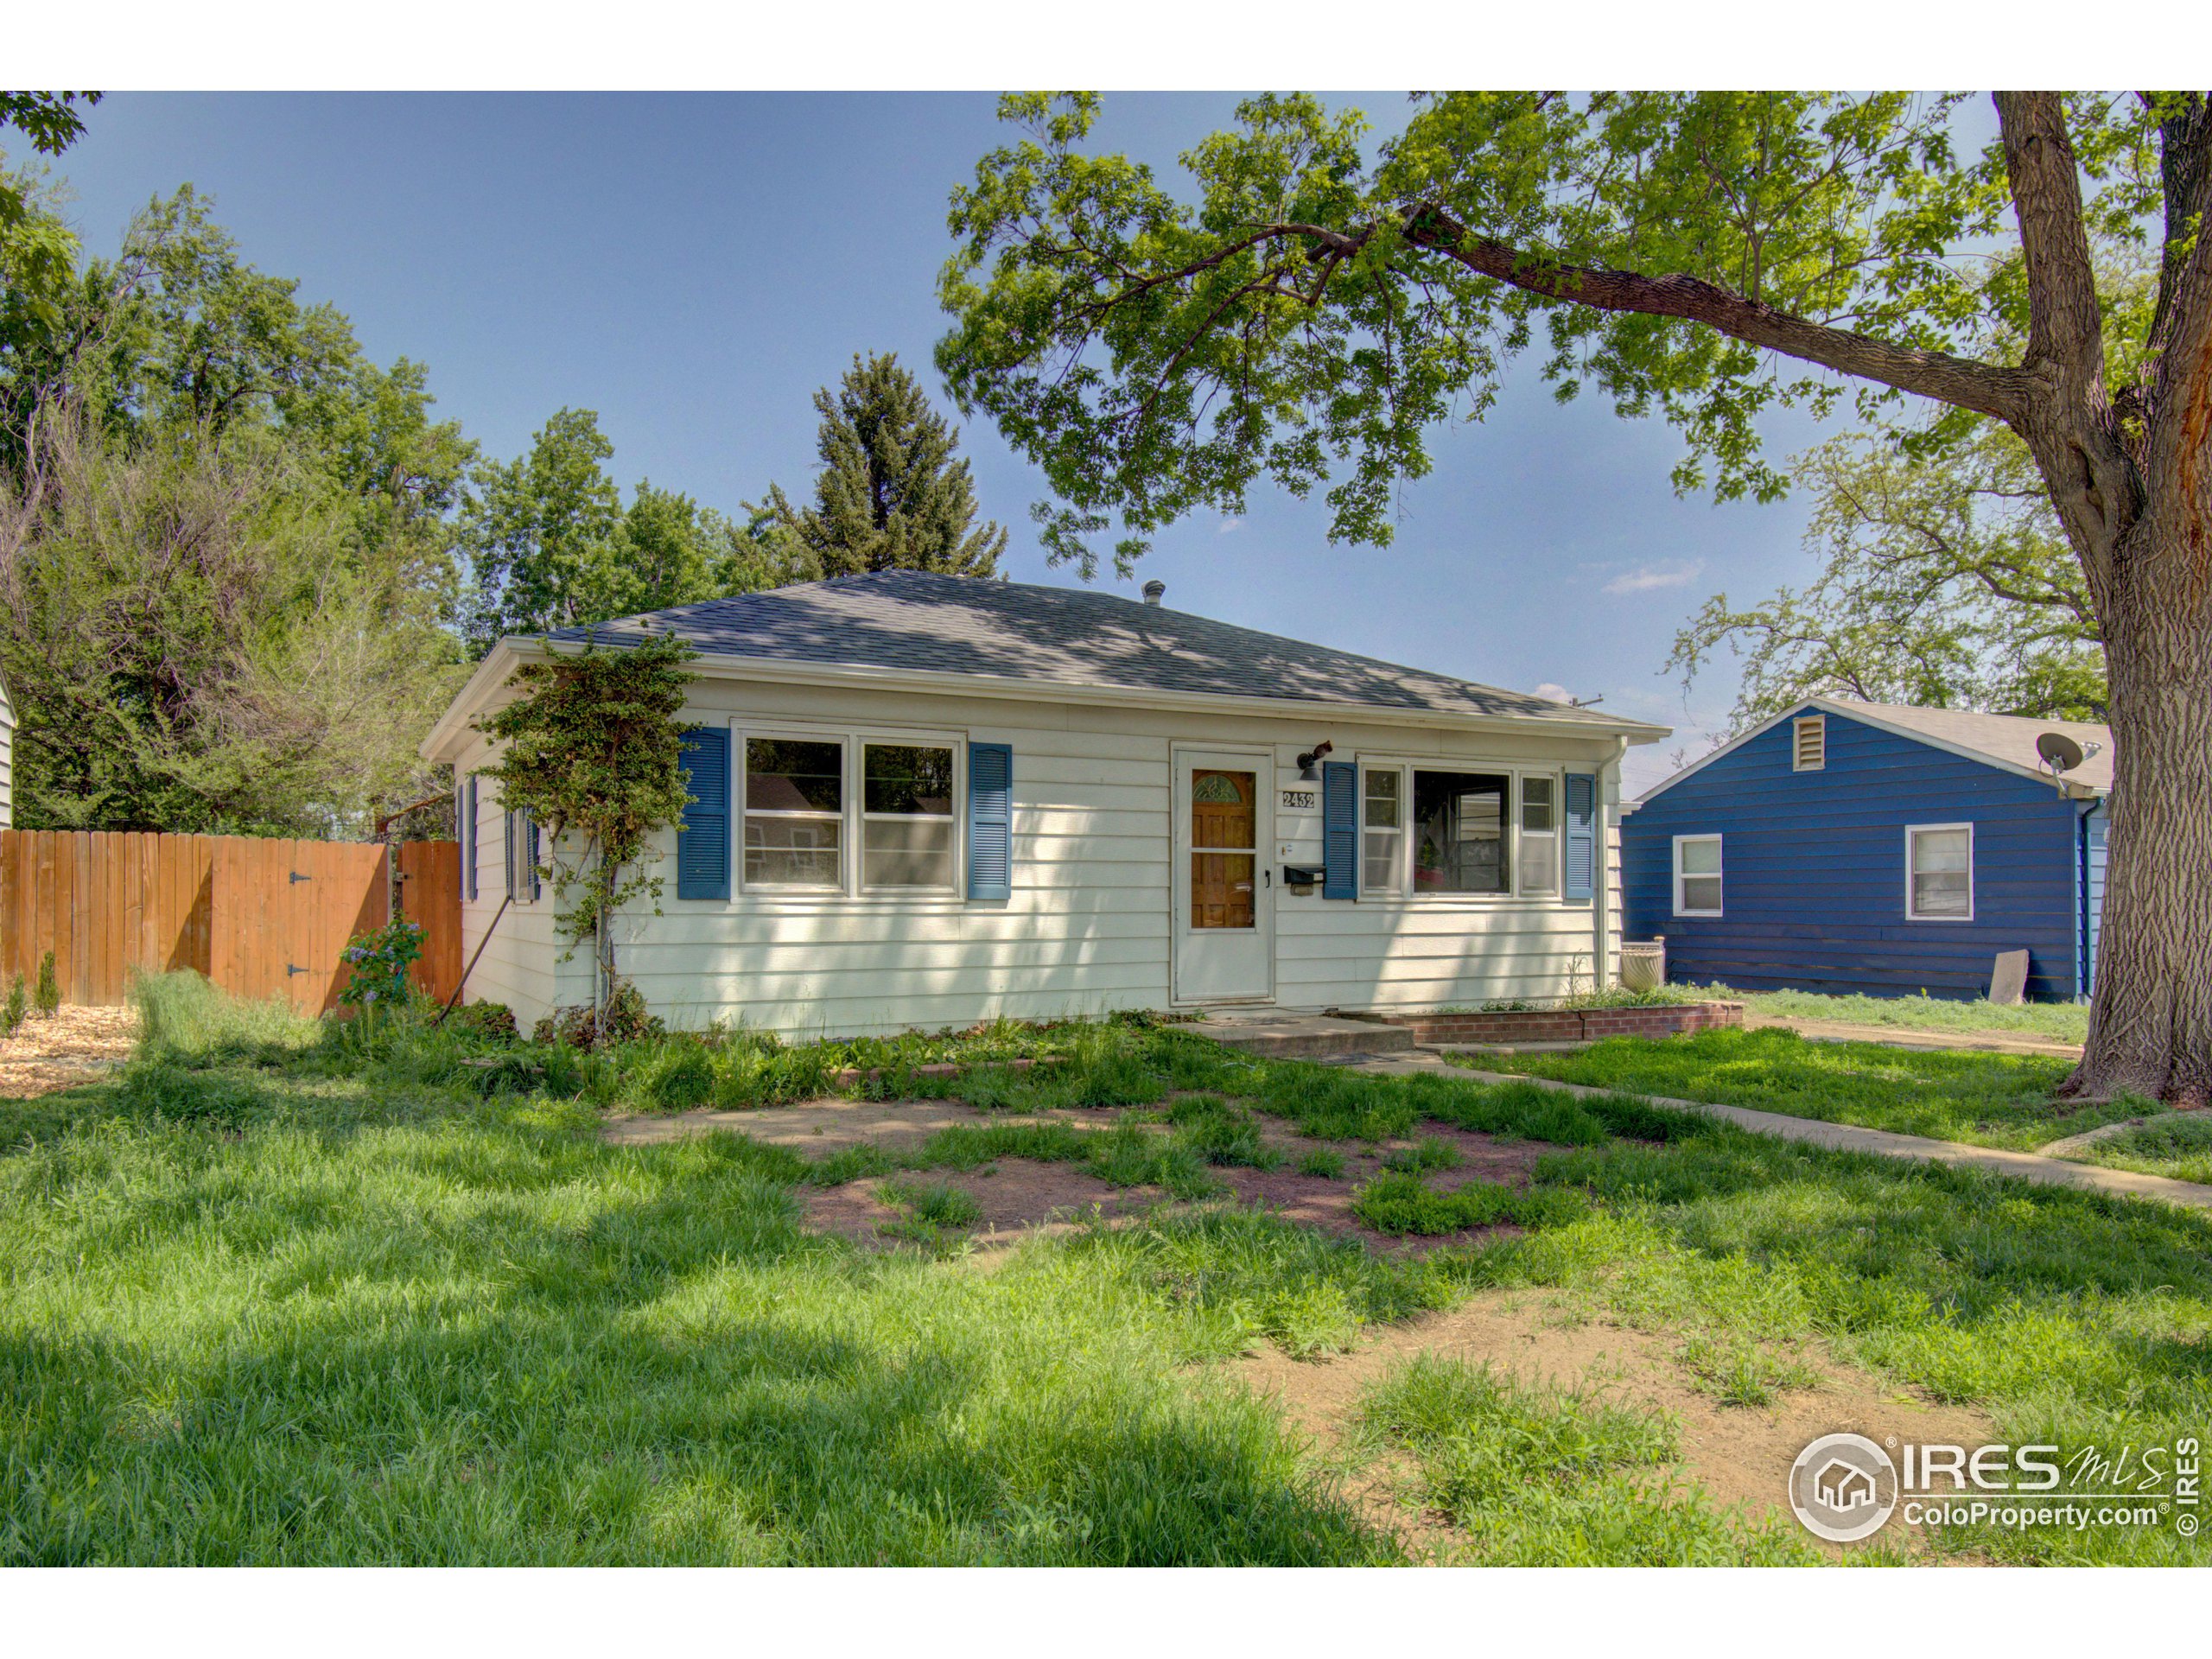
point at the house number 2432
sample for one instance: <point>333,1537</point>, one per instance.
<point>1300,800</point>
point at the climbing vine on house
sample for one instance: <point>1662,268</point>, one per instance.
<point>592,750</point>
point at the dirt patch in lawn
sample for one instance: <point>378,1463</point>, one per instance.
<point>822,1125</point>
<point>1739,1456</point>
<point>1017,1195</point>
<point>50,1053</point>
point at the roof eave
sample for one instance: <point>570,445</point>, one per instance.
<point>2071,788</point>
<point>730,666</point>
<point>502,659</point>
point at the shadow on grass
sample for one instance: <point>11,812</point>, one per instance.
<point>471,1341</point>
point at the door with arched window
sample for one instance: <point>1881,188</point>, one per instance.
<point>1223,886</point>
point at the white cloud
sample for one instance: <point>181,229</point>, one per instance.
<point>1556,693</point>
<point>1645,577</point>
<point>1228,527</point>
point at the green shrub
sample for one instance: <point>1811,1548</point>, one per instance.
<point>48,997</point>
<point>493,1022</point>
<point>11,1015</point>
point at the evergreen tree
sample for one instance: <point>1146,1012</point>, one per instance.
<point>890,495</point>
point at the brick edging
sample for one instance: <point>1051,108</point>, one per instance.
<point>1568,1024</point>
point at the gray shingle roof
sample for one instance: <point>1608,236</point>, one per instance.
<point>913,620</point>
<point>2008,738</point>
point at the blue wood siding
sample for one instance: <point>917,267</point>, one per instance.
<point>1813,885</point>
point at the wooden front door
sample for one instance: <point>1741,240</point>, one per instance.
<point>1225,914</point>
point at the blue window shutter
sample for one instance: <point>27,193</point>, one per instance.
<point>702,837</point>
<point>507,824</point>
<point>1580,880</point>
<point>530,853</point>
<point>991,821</point>
<point>1339,829</point>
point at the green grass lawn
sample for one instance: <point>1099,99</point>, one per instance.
<point>291,1295</point>
<point>1984,1099</point>
<point>2178,1145</point>
<point>2061,1022</point>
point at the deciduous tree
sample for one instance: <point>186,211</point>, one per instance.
<point>1945,582</point>
<point>1305,310</point>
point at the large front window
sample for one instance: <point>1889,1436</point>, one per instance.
<point>1459,832</point>
<point>794,813</point>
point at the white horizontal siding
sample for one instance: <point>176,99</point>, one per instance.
<point>7,758</point>
<point>1086,928</point>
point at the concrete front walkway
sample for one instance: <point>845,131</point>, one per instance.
<point>2023,1166</point>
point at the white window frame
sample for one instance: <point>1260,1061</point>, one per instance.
<point>1402,834</point>
<point>863,817</point>
<point>1913,831</point>
<point>1719,874</point>
<point>854,737</point>
<point>1405,766</point>
<point>1820,724</point>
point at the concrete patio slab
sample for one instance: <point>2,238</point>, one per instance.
<point>1302,1036</point>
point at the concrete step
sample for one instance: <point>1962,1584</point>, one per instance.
<point>1303,1036</point>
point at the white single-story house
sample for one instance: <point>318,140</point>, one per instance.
<point>925,801</point>
<point>7,757</point>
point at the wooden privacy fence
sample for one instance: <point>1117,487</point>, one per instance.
<point>260,917</point>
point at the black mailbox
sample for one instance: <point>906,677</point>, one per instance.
<point>1300,878</point>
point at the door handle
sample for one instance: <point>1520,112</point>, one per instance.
<point>1270,875</point>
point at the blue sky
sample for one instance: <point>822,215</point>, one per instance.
<point>694,266</point>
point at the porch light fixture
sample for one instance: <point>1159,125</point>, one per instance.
<point>1306,772</point>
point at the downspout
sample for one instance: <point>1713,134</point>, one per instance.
<point>1602,892</point>
<point>2085,966</point>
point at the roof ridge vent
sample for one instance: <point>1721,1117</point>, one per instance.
<point>1154,591</point>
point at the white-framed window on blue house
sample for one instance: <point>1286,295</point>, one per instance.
<point>1697,875</point>
<point>1939,872</point>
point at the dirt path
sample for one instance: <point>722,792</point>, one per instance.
<point>1739,1456</point>
<point>1989,1042</point>
<point>72,1045</point>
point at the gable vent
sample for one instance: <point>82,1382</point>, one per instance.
<point>1808,750</point>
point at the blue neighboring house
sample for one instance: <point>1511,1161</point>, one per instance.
<point>1855,847</point>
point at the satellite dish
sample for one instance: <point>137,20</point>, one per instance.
<point>2059,752</point>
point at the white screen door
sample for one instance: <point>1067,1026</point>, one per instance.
<point>1223,887</point>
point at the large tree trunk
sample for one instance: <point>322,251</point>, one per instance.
<point>2151,1012</point>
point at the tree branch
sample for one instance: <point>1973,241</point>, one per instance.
<point>1982,387</point>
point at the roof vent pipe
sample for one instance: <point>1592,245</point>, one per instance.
<point>1154,591</point>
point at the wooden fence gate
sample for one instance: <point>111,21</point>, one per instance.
<point>260,917</point>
